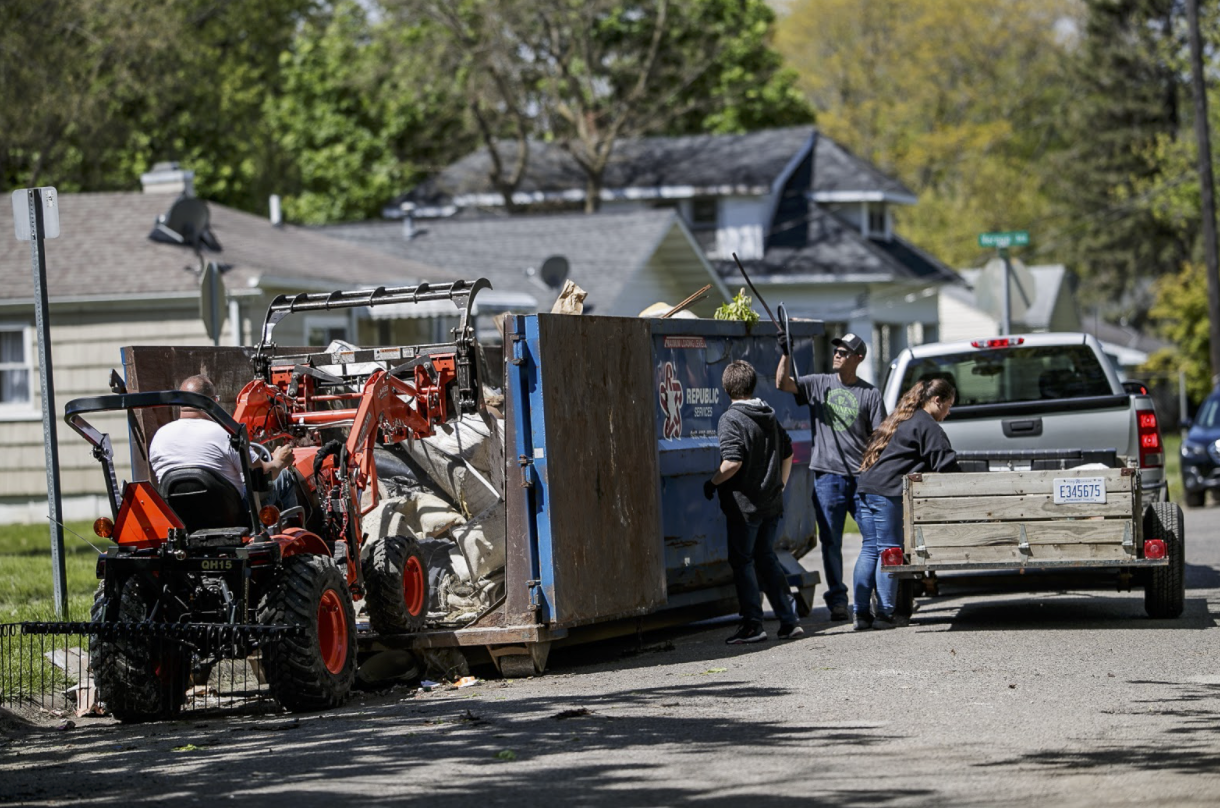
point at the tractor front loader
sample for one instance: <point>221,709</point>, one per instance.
<point>197,573</point>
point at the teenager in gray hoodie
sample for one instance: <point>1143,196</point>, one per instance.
<point>755,460</point>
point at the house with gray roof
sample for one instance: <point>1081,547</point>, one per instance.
<point>111,286</point>
<point>625,260</point>
<point>811,222</point>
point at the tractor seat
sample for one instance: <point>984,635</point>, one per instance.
<point>203,499</point>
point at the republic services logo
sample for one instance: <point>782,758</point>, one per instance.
<point>671,397</point>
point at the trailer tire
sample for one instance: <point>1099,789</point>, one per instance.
<point>1195,499</point>
<point>1165,591</point>
<point>397,586</point>
<point>315,667</point>
<point>137,677</point>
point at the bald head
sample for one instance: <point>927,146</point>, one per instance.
<point>197,384</point>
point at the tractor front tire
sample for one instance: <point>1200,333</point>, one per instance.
<point>137,677</point>
<point>396,585</point>
<point>315,667</point>
<point>1165,591</point>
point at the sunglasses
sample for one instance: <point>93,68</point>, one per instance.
<point>842,352</point>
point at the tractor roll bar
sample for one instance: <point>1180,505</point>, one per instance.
<point>460,292</point>
<point>103,451</point>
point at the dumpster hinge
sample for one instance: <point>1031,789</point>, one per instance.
<point>535,588</point>
<point>518,349</point>
<point>525,461</point>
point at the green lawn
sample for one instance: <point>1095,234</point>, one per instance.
<point>1173,466</point>
<point>26,583</point>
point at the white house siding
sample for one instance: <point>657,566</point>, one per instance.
<point>961,321</point>
<point>85,345</point>
<point>641,291</point>
<point>740,228</point>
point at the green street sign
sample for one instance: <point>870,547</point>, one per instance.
<point>1011,238</point>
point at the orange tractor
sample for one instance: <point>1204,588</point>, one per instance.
<point>198,573</point>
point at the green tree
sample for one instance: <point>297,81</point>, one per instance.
<point>1126,112</point>
<point>1181,312</point>
<point>960,99</point>
<point>588,74</point>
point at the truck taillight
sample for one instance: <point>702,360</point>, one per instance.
<point>1154,548</point>
<point>1003,342</point>
<point>1152,452</point>
<point>891,557</point>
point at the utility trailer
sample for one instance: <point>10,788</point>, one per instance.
<point>1074,523</point>
<point>610,431</point>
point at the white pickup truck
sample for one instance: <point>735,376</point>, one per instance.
<point>1038,401</point>
<point>1064,472</point>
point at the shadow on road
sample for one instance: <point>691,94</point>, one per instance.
<point>454,750</point>
<point>1073,612</point>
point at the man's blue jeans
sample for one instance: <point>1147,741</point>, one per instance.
<point>834,497</point>
<point>755,568</point>
<point>880,520</point>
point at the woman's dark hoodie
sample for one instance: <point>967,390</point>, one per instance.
<point>750,433</point>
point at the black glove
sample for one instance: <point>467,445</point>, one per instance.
<point>782,339</point>
<point>709,489</point>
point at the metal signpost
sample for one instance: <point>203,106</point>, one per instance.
<point>1002,241</point>
<point>36,217</point>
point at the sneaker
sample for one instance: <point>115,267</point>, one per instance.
<point>885,621</point>
<point>838,612</point>
<point>864,621</point>
<point>790,632</point>
<point>749,632</point>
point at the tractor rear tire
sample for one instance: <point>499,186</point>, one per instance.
<point>396,585</point>
<point>315,668</point>
<point>137,677</point>
<point>1165,591</point>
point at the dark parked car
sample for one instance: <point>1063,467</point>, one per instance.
<point>1200,453</point>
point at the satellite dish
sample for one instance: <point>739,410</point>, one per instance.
<point>988,289</point>
<point>554,271</point>
<point>187,224</point>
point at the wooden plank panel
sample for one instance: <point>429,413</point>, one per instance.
<point>1012,482</point>
<point>1029,506</point>
<point>983,534</point>
<point>602,467</point>
<point>1039,552</point>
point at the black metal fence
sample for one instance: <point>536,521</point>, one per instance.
<point>134,671</point>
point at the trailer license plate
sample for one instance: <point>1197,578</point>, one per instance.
<point>1080,490</point>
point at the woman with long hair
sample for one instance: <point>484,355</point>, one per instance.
<point>910,440</point>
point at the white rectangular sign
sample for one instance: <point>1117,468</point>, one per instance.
<point>21,214</point>
<point>1075,490</point>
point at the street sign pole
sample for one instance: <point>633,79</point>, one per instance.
<point>38,263</point>
<point>1002,241</point>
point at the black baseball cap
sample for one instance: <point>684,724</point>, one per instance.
<point>852,343</point>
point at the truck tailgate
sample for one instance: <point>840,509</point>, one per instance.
<point>1094,424</point>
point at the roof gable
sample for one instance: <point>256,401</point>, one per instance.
<point>605,252</point>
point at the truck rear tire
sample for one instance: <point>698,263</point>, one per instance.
<point>1195,499</point>
<point>316,667</point>
<point>396,582</point>
<point>138,677</point>
<point>1165,591</point>
<point>904,601</point>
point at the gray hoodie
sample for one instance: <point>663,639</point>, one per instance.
<point>749,433</point>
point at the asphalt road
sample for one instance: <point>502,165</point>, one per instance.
<point>1057,698</point>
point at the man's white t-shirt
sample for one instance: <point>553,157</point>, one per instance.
<point>195,442</point>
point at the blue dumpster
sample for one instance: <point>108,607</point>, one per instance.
<point>611,428</point>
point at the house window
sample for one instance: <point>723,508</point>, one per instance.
<point>16,365</point>
<point>322,331</point>
<point>704,218</point>
<point>877,222</point>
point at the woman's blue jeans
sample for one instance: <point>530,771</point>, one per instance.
<point>880,520</point>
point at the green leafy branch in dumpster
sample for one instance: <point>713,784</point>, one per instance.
<point>739,309</point>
